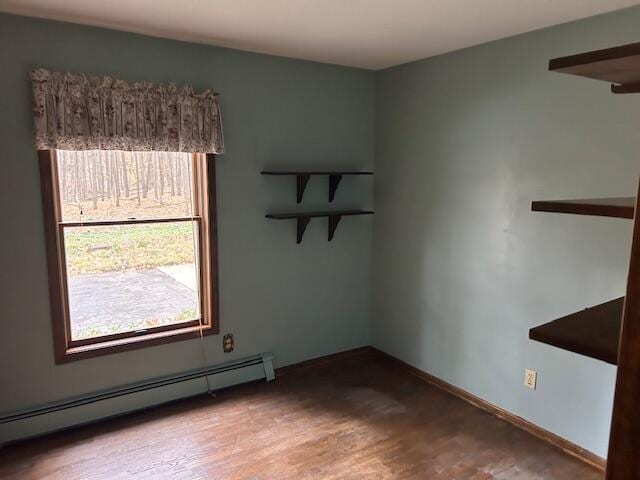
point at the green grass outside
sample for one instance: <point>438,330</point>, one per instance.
<point>91,331</point>
<point>119,248</point>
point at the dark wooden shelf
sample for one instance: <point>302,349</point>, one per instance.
<point>593,332</point>
<point>302,178</point>
<point>303,219</point>
<point>618,65</point>
<point>327,172</point>
<point>288,216</point>
<point>622,207</point>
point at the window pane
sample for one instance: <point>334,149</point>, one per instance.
<point>125,278</point>
<point>114,185</point>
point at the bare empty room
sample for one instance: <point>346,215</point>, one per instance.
<point>300,240</point>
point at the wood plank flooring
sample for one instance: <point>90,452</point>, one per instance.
<point>362,417</point>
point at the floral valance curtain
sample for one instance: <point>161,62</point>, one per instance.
<point>79,112</point>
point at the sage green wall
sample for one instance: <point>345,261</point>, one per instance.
<point>462,267</point>
<point>298,301</point>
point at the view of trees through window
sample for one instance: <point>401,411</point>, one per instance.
<point>130,240</point>
<point>115,185</point>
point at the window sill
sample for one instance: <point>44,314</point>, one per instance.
<point>133,343</point>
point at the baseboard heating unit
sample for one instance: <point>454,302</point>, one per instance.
<point>127,398</point>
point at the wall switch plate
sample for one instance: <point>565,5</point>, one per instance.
<point>530,378</point>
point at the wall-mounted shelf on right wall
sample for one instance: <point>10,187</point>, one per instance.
<point>620,207</point>
<point>609,331</point>
<point>593,332</point>
<point>619,66</point>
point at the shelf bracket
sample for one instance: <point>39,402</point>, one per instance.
<point>334,220</point>
<point>301,184</point>
<point>302,223</point>
<point>629,88</point>
<point>334,181</point>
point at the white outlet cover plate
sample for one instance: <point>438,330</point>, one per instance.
<point>530,378</point>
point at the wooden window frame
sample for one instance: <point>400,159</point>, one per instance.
<point>68,350</point>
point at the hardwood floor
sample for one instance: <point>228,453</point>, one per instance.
<point>362,417</point>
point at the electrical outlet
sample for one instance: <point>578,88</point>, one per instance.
<point>530,378</point>
<point>227,343</point>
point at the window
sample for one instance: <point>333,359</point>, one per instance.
<point>131,247</point>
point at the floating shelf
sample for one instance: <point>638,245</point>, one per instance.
<point>302,178</point>
<point>619,65</point>
<point>622,207</point>
<point>303,219</point>
<point>593,332</point>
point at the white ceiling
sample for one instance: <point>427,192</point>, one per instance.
<point>371,34</point>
